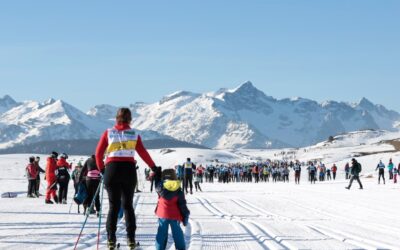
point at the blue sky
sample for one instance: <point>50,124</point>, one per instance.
<point>120,52</point>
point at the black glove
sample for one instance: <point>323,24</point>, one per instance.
<point>185,221</point>
<point>102,171</point>
<point>157,174</point>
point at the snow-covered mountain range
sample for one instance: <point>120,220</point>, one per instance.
<point>31,121</point>
<point>243,117</point>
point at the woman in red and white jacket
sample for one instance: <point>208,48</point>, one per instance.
<point>119,145</point>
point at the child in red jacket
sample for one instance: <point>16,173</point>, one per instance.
<point>171,210</point>
<point>31,173</point>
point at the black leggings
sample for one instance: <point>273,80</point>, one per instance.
<point>63,191</point>
<point>120,182</point>
<point>357,178</point>
<point>189,182</point>
<point>37,185</point>
<point>32,187</point>
<point>312,177</point>
<point>91,187</point>
<point>381,173</point>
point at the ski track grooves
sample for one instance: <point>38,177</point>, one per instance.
<point>356,240</point>
<point>89,240</point>
<point>349,238</point>
<point>266,240</point>
<point>195,242</point>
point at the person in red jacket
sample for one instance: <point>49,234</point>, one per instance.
<point>31,173</point>
<point>334,170</point>
<point>119,145</point>
<point>51,178</point>
<point>171,210</point>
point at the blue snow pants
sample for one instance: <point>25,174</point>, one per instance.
<point>162,234</point>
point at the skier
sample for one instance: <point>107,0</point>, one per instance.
<point>334,170</point>
<point>40,170</point>
<point>120,143</point>
<point>76,178</point>
<point>171,210</point>
<point>286,174</point>
<point>211,170</point>
<point>390,169</point>
<point>355,173</point>
<point>381,168</point>
<point>197,181</point>
<point>188,175</point>
<point>51,178</point>
<point>91,177</point>
<point>266,173</point>
<point>328,174</point>
<point>395,172</point>
<point>63,177</point>
<point>297,173</point>
<point>199,172</point>
<point>255,173</point>
<point>347,170</point>
<point>31,173</point>
<point>312,170</point>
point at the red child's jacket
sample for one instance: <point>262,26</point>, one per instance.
<point>32,171</point>
<point>171,202</point>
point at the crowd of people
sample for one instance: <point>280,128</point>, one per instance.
<point>274,171</point>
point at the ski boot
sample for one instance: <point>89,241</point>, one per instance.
<point>49,202</point>
<point>64,202</point>
<point>56,199</point>
<point>112,241</point>
<point>132,244</point>
<point>111,245</point>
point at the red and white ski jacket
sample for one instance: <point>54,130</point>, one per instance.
<point>119,144</point>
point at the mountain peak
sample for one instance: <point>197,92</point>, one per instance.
<point>7,100</point>
<point>245,87</point>
<point>365,103</point>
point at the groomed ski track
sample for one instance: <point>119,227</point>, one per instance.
<point>227,216</point>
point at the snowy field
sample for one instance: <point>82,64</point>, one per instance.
<point>224,216</point>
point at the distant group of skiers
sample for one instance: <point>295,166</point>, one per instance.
<point>392,169</point>
<point>276,171</point>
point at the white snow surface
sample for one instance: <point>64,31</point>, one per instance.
<point>226,216</point>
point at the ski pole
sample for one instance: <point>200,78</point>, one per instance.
<point>70,207</point>
<point>87,214</point>
<point>101,210</point>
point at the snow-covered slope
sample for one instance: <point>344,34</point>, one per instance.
<point>245,117</point>
<point>33,121</point>
<point>246,216</point>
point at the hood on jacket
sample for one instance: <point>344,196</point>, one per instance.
<point>122,126</point>
<point>62,162</point>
